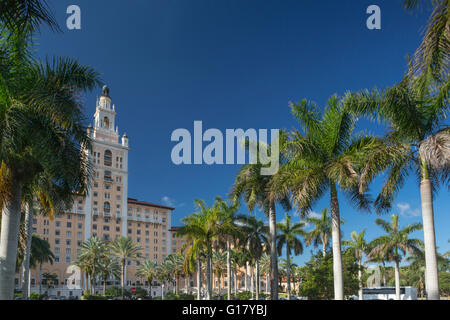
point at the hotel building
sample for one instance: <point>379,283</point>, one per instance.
<point>106,211</point>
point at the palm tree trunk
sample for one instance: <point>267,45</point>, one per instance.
<point>104,286</point>
<point>26,258</point>
<point>228,271</point>
<point>336,238</point>
<point>235,280</point>
<point>122,278</point>
<point>267,282</point>
<point>273,253</point>
<point>9,240</point>
<point>384,274</point>
<point>288,273</point>
<point>40,278</point>
<point>397,280</point>
<point>360,280</point>
<point>246,276</point>
<point>324,247</point>
<point>252,284</point>
<point>257,280</point>
<point>199,278</point>
<point>208,274</point>
<point>176,284</point>
<point>431,266</point>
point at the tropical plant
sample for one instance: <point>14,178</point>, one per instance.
<point>395,243</point>
<point>321,233</point>
<point>326,157</point>
<point>358,246</point>
<point>176,264</point>
<point>256,239</point>
<point>42,123</point>
<point>123,249</point>
<point>202,229</point>
<point>229,232</point>
<point>418,142</point>
<point>433,55</point>
<point>288,235</point>
<point>257,191</point>
<point>147,270</point>
<point>108,267</point>
<point>93,251</point>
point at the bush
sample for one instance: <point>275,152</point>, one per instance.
<point>95,297</point>
<point>35,296</point>
<point>117,292</point>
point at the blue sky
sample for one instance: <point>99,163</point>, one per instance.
<point>235,64</point>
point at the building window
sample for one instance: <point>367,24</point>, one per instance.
<point>56,241</point>
<point>69,224</point>
<point>117,229</point>
<point>80,235</point>
<point>57,232</point>
<point>107,176</point>
<point>107,207</point>
<point>118,188</point>
<point>68,242</point>
<point>58,223</point>
<point>108,158</point>
<point>69,216</point>
<point>94,226</point>
<point>105,228</point>
<point>68,234</point>
<point>80,226</point>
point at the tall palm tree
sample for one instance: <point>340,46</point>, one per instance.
<point>433,55</point>
<point>396,243</point>
<point>108,267</point>
<point>40,254</point>
<point>202,228</point>
<point>124,250</point>
<point>288,235</point>
<point>229,232</point>
<point>93,251</point>
<point>358,246</point>
<point>257,191</point>
<point>418,142</point>
<point>219,266</point>
<point>256,239</point>
<point>176,262</point>
<point>326,157</point>
<point>52,199</point>
<point>321,233</point>
<point>42,123</point>
<point>147,270</point>
<point>264,263</point>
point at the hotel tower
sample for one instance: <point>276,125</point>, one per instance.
<point>106,211</point>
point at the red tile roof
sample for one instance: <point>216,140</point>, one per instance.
<point>148,204</point>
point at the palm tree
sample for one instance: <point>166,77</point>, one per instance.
<point>124,250</point>
<point>327,157</point>
<point>257,190</point>
<point>148,270</point>
<point>418,142</point>
<point>264,263</point>
<point>395,243</point>
<point>93,251</point>
<point>26,15</point>
<point>289,236</point>
<point>108,267</point>
<point>42,123</point>
<point>53,199</point>
<point>432,56</point>
<point>321,233</point>
<point>256,239</point>
<point>229,231</point>
<point>219,266</point>
<point>176,262</point>
<point>40,254</point>
<point>359,247</point>
<point>202,228</point>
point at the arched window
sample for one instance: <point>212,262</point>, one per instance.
<point>106,207</point>
<point>107,159</point>
<point>106,122</point>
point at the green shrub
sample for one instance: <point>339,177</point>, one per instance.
<point>35,296</point>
